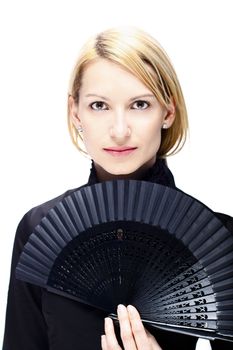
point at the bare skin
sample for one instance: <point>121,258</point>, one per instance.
<point>133,334</point>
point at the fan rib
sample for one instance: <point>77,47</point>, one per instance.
<point>110,201</point>
<point>47,224</point>
<point>82,210</point>
<point>74,213</point>
<point>100,200</point>
<point>31,262</point>
<point>120,200</point>
<point>41,247</point>
<point>143,199</point>
<point>64,214</point>
<point>90,203</point>
<point>38,252</point>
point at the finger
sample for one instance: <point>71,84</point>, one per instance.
<point>125,328</point>
<point>104,342</point>
<point>153,342</point>
<point>110,336</point>
<point>139,332</point>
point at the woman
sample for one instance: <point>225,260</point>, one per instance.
<point>126,107</point>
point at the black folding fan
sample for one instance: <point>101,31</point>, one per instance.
<point>139,243</point>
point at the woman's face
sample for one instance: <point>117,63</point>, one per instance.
<point>121,120</point>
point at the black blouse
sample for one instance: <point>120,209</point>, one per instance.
<point>39,320</point>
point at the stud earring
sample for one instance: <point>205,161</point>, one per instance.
<point>79,128</point>
<point>164,126</point>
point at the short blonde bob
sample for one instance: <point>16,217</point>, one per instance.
<point>137,52</point>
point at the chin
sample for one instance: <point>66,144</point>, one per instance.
<point>119,170</point>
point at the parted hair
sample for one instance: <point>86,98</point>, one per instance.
<point>142,55</point>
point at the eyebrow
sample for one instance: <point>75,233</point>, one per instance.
<point>131,99</point>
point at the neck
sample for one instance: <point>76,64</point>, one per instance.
<point>103,175</point>
<point>158,172</point>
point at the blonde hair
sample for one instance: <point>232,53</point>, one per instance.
<point>137,52</point>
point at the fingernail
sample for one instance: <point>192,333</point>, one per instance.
<point>103,341</point>
<point>107,321</point>
<point>131,309</point>
<point>120,308</point>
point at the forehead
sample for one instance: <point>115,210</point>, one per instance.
<point>106,75</point>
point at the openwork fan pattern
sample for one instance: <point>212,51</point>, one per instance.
<point>139,243</point>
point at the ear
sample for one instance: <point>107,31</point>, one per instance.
<point>170,114</point>
<point>73,111</point>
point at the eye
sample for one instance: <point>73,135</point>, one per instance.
<point>98,106</point>
<point>140,104</point>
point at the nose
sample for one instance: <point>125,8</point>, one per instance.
<point>120,128</point>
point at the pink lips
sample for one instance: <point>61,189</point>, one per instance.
<point>120,151</point>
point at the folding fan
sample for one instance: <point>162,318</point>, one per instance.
<point>140,243</point>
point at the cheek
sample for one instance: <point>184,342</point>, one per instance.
<point>91,137</point>
<point>152,138</point>
<point>151,122</point>
<point>153,130</point>
<point>154,141</point>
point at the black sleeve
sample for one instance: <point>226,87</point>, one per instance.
<point>221,345</point>
<point>25,326</point>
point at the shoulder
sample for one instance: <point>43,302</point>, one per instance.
<point>34,216</point>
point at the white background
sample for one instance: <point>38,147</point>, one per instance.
<point>40,41</point>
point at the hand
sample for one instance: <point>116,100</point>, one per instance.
<point>133,334</point>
